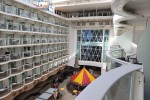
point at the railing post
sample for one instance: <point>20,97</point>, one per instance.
<point>23,67</point>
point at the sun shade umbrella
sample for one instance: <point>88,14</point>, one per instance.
<point>62,89</point>
<point>75,91</point>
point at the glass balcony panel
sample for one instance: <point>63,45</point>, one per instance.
<point>2,7</point>
<point>55,57</point>
<point>37,52</point>
<point>17,85</point>
<point>9,25</point>
<point>28,53</point>
<point>50,59</point>
<point>11,10</point>
<point>45,19</point>
<point>36,41</point>
<point>26,41</point>
<point>24,27</point>
<point>4,58</point>
<point>122,89</point>
<point>49,40</point>
<point>48,30</point>
<point>2,42</point>
<point>28,65</point>
<point>37,63</point>
<point>16,70</point>
<point>37,76</point>
<point>111,64</point>
<point>46,71</point>
<point>44,40</point>
<point>28,79</point>
<point>14,56</point>
<point>15,26</point>
<point>44,61</point>
<point>119,54</point>
<point>40,18</point>
<point>2,25</point>
<point>31,28</point>
<point>55,31</point>
<point>50,49</point>
<point>4,73</point>
<point>36,29</point>
<point>34,16</point>
<point>24,13</point>
<point>4,91</point>
<point>43,29</point>
<point>44,50</point>
<point>14,41</point>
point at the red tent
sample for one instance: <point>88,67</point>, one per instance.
<point>82,78</point>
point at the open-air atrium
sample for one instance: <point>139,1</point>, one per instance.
<point>74,50</point>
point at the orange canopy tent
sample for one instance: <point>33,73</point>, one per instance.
<point>82,78</point>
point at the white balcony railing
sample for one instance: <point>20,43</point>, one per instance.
<point>28,65</point>
<point>24,13</point>
<point>28,53</point>
<point>26,27</point>
<point>11,10</point>
<point>16,69</point>
<point>37,52</point>
<point>4,73</point>
<point>16,84</point>
<point>20,41</point>
<point>85,14</point>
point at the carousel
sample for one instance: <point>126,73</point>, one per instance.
<point>79,81</point>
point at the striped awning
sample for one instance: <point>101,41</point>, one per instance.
<point>82,78</point>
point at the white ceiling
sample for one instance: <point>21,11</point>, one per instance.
<point>105,5</point>
<point>142,7</point>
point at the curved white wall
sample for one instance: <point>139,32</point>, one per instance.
<point>143,54</point>
<point>91,63</point>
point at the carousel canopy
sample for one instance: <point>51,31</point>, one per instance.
<point>82,78</point>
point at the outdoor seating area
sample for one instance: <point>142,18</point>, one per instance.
<point>65,82</point>
<point>54,81</point>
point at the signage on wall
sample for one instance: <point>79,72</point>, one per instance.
<point>41,3</point>
<point>46,4</point>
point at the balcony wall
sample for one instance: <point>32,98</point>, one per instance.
<point>29,84</point>
<point>124,81</point>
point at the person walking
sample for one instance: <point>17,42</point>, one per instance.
<point>55,94</point>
